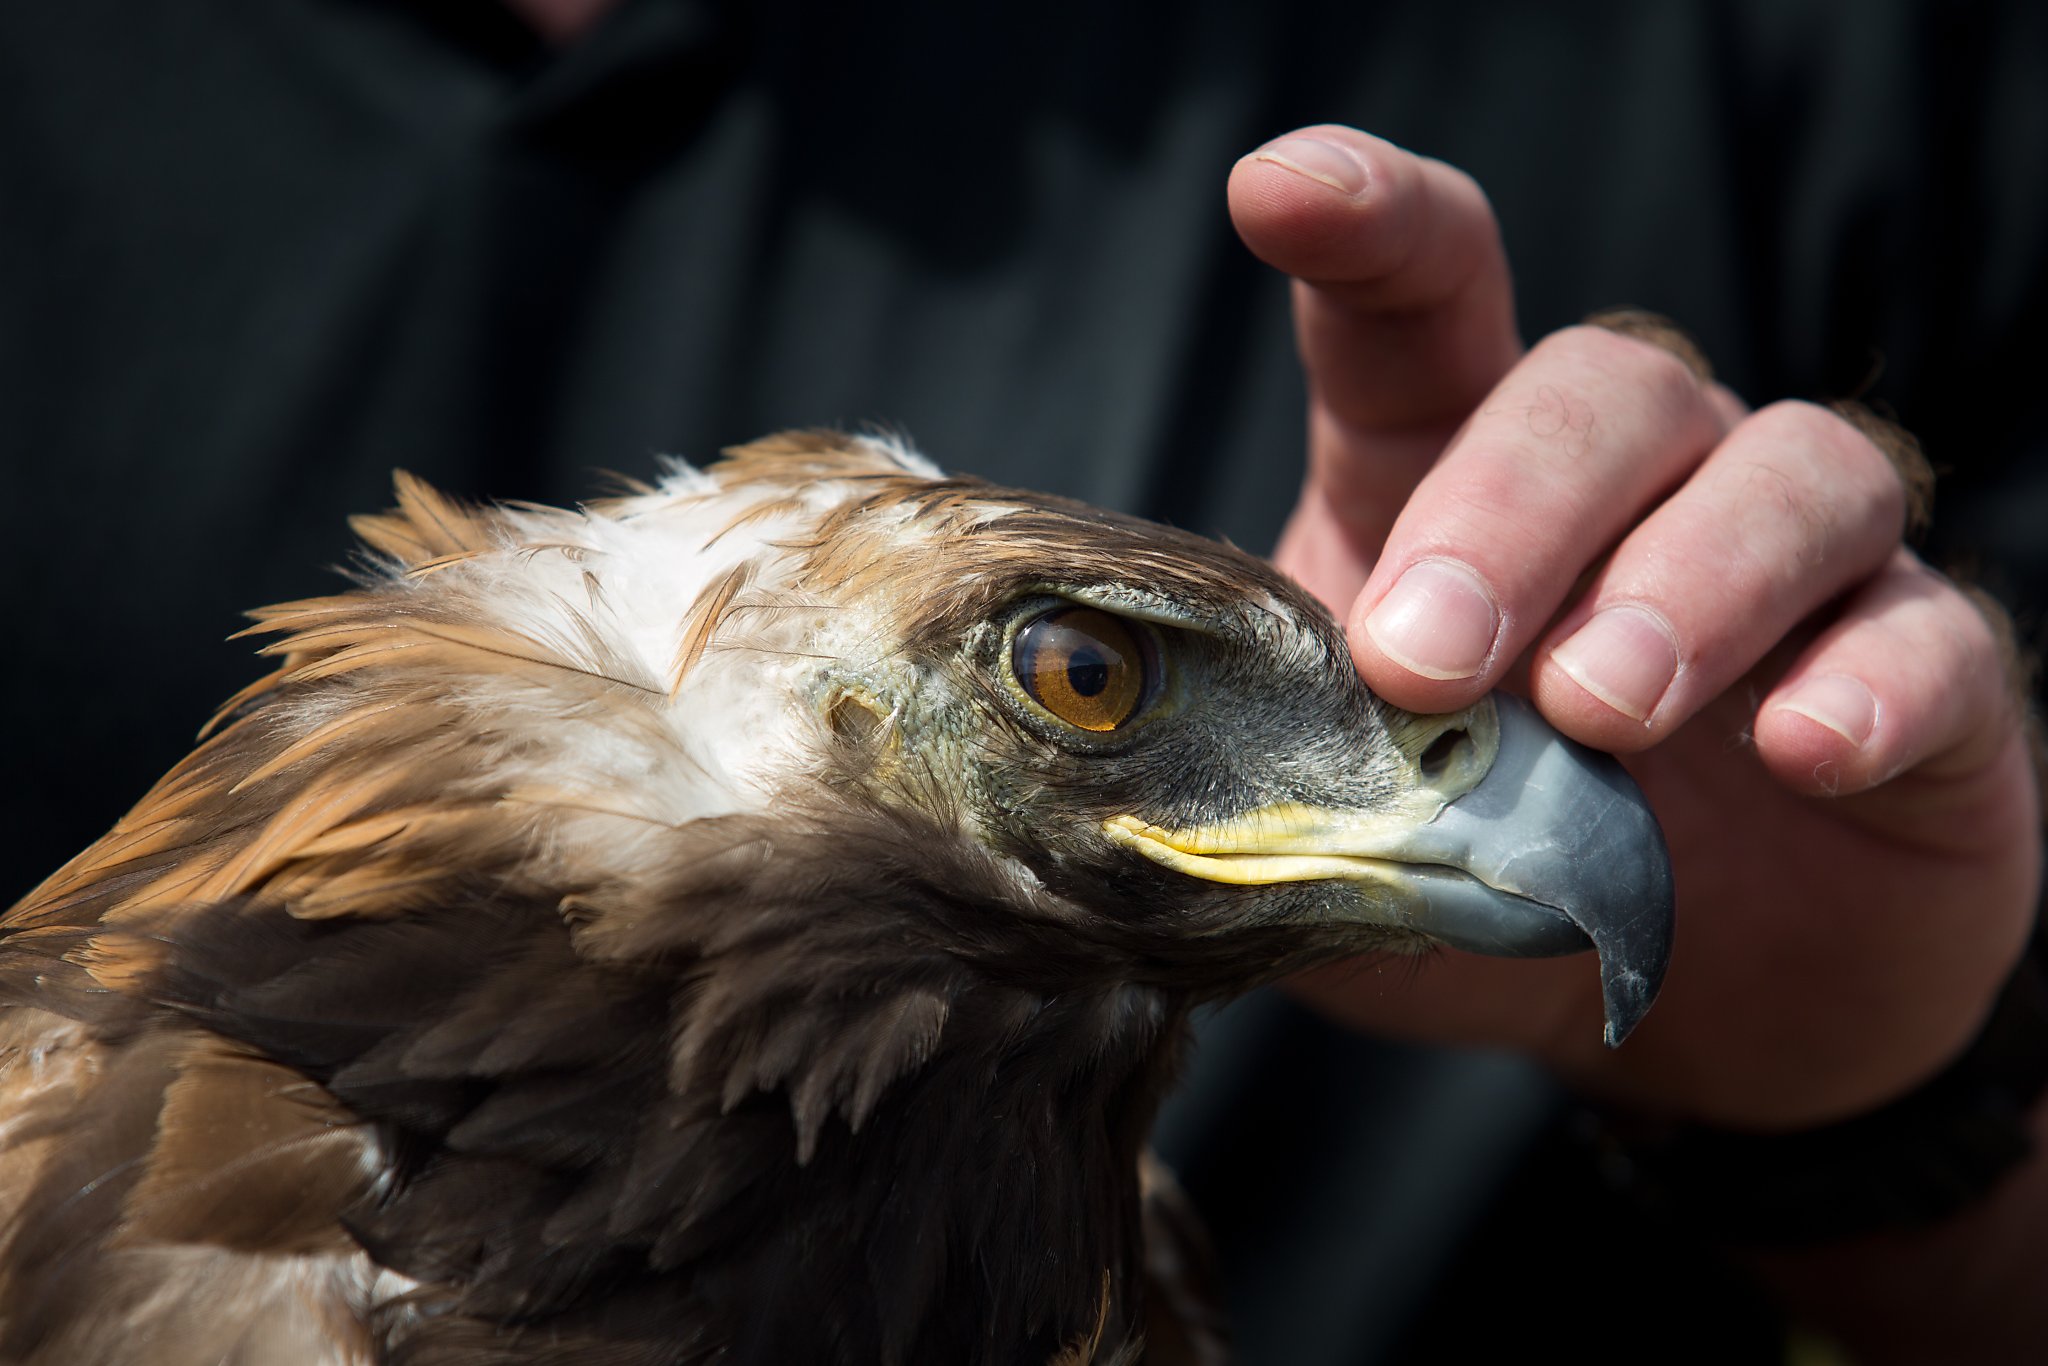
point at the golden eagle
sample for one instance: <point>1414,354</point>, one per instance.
<point>752,920</point>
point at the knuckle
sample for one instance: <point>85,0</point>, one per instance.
<point>1845,466</point>
<point>1624,357</point>
<point>1658,332</point>
<point>1662,377</point>
<point>1960,631</point>
<point>1902,454</point>
<point>1811,427</point>
<point>1792,528</point>
<point>1991,640</point>
<point>1796,422</point>
<point>1645,375</point>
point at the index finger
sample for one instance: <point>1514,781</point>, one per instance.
<point>1404,312</point>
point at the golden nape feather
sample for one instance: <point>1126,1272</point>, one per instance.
<point>753,919</point>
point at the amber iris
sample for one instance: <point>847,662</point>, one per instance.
<point>1083,665</point>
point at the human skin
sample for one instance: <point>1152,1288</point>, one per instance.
<point>1830,731</point>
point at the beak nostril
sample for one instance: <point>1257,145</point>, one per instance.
<point>1436,760</point>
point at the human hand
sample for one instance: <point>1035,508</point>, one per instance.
<point>1827,729</point>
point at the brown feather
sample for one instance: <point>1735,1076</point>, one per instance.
<point>248,1155</point>
<point>396,1015</point>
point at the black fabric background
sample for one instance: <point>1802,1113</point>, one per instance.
<point>255,253</point>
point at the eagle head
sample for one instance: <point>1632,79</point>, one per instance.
<point>1168,737</point>
<point>751,919</point>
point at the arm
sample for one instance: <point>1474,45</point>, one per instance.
<point>1826,726</point>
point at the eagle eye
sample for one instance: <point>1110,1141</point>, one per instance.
<point>1085,666</point>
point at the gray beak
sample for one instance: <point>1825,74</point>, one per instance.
<point>1534,846</point>
<point>1563,854</point>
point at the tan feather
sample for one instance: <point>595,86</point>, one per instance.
<point>703,619</point>
<point>426,567</point>
<point>347,648</point>
<point>392,535</point>
<point>352,837</point>
<point>426,525</point>
<point>375,890</point>
<point>177,884</point>
<point>315,812</point>
<point>283,615</point>
<point>120,961</point>
<point>766,510</point>
<point>127,843</point>
<point>389,723</point>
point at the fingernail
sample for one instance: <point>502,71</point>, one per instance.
<point>1438,620</point>
<point>1843,704</point>
<point>1624,656</point>
<point>1324,162</point>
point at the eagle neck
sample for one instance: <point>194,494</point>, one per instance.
<point>988,1210</point>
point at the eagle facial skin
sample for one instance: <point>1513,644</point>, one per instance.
<point>752,920</point>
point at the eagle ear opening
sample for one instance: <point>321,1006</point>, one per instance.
<point>856,718</point>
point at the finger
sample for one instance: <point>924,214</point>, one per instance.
<point>1660,332</point>
<point>1913,675</point>
<point>1406,314</point>
<point>1794,507</point>
<point>1588,431</point>
<point>1403,309</point>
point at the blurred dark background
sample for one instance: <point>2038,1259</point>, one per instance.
<point>256,253</point>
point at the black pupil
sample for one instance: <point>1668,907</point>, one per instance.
<point>1087,671</point>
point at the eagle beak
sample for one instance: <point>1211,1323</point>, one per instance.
<point>1544,847</point>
